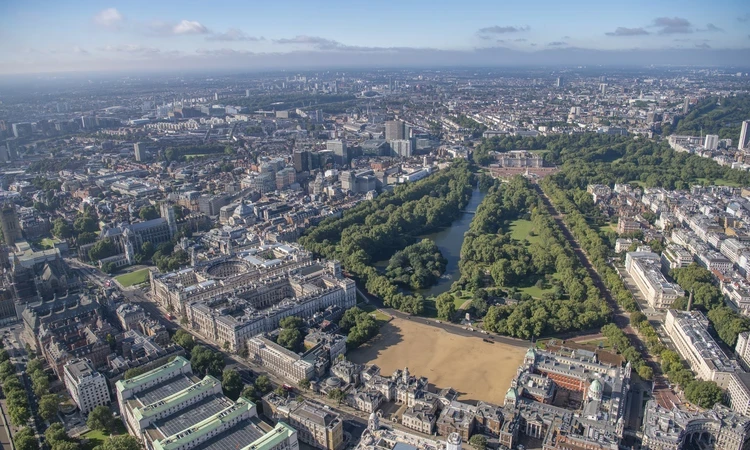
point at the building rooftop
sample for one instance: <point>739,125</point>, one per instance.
<point>197,412</point>
<point>240,436</point>
<point>693,326</point>
<point>173,366</point>
<point>80,369</point>
<point>209,425</point>
<point>164,389</point>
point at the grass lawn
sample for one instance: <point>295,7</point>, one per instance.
<point>596,342</point>
<point>44,244</point>
<point>608,227</point>
<point>132,278</point>
<point>535,291</point>
<point>47,243</point>
<point>200,155</point>
<point>720,182</point>
<point>380,316</point>
<point>97,438</point>
<point>459,300</point>
<point>521,229</point>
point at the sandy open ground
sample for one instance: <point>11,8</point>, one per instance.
<point>476,369</point>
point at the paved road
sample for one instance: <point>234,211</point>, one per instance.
<point>621,318</point>
<point>356,421</point>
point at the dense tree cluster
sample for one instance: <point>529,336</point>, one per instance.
<point>56,164</point>
<point>148,212</point>
<point>491,258</point>
<point>598,158</point>
<point>728,324</point>
<point>374,230</point>
<point>15,394</point>
<point>134,372</point>
<point>707,297</point>
<point>255,391</point>
<point>291,101</point>
<point>231,383</point>
<point>184,340</point>
<point>103,249</point>
<point>102,419</point>
<point>292,333</point>
<point>713,115</point>
<point>207,362</point>
<point>120,442</point>
<point>83,230</point>
<point>166,259</point>
<point>591,242</point>
<point>181,153</point>
<point>620,342</point>
<point>359,327</point>
<point>25,439</point>
<point>418,266</point>
<point>702,393</point>
<point>58,439</point>
<point>468,123</point>
<point>49,405</point>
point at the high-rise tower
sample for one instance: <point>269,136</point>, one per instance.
<point>744,143</point>
<point>167,212</point>
<point>10,225</point>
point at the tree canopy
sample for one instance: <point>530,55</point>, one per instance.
<point>206,361</point>
<point>376,229</point>
<point>101,418</point>
<point>231,383</point>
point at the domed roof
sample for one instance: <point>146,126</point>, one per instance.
<point>596,386</point>
<point>243,210</point>
<point>333,382</point>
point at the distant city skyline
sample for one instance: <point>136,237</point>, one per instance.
<point>86,35</point>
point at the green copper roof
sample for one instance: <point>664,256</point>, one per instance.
<point>280,433</point>
<point>205,427</point>
<point>206,384</point>
<point>173,366</point>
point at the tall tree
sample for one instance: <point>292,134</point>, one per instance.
<point>101,418</point>
<point>231,383</point>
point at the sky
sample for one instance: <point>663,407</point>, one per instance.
<point>38,36</point>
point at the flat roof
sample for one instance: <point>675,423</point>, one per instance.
<point>187,417</point>
<point>173,366</point>
<point>237,437</point>
<point>164,389</point>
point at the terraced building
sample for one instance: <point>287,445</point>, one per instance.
<point>169,408</point>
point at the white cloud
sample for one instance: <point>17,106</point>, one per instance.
<point>223,52</point>
<point>233,34</point>
<point>130,48</point>
<point>109,18</point>
<point>189,27</point>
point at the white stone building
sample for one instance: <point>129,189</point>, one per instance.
<point>86,386</point>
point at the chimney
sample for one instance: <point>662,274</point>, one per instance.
<point>690,302</point>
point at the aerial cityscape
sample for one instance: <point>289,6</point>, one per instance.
<point>283,234</point>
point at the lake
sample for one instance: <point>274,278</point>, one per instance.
<point>449,241</point>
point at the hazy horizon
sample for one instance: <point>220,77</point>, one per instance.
<point>43,36</point>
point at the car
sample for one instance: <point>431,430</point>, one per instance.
<point>437,321</point>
